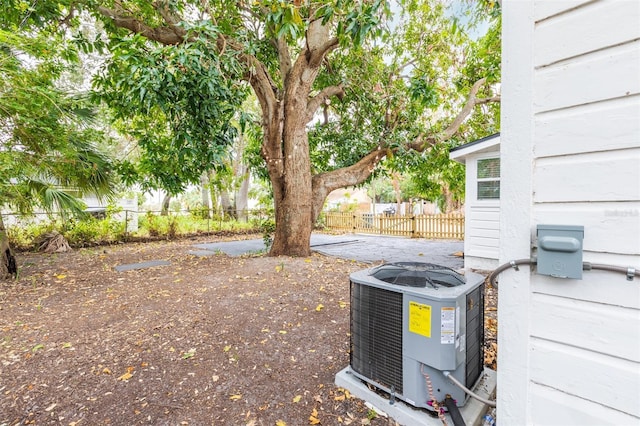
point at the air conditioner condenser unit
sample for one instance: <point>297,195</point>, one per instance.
<point>411,322</point>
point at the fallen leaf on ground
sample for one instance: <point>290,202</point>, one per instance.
<point>126,376</point>
<point>313,418</point>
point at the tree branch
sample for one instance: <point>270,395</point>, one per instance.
<point>169,17</point>
<point>351,175</point>
<point>482,101</point>
<point>164,35</point>
<point>357,173</point>
<point>322,184</point>
<point>422,141</point>
<point>284,57</point>
<point>472,101</point>
<point>321,98</point>
<point>318,54</point>
<point>318,43</point>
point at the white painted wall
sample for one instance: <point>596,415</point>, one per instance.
<point>482,217</point>
<point>482,220</point>
<point>569,350</point>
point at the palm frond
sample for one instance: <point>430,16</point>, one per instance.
<point>53,199</point>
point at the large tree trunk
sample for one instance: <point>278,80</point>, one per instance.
<point>226,203</point>
<point>285,147</point>
<point>292,197</point>
<point>205,194</point>
<point>165,205</point>
<point>8,267</point>
<point>242,195</point>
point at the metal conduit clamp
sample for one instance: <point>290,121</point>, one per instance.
<point>631,272</point>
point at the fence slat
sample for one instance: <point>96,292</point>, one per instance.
<point>433,226</point>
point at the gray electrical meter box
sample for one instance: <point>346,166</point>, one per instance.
<point>560,250</point>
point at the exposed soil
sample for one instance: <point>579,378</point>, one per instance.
<point>213,340</point>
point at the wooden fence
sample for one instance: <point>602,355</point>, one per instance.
<point>433,226</point>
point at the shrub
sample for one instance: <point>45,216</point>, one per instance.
<point>83,233</point>
<point>152,224</point>
<point>200,213</point>
<point>24,238</point>
<point>172,226</point>
<point>268,227</point>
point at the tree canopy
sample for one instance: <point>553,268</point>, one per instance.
<point>342,85</point>
<point>47,143</point>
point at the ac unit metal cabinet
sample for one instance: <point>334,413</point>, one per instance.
<point>411,320</point>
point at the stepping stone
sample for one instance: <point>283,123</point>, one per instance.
<point>234,248</point>
<point>142,265</point>
<point>202,253</point>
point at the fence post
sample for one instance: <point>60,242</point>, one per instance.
<point>126,223</point>
<point>413,226</point>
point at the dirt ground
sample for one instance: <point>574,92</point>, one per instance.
<point>213,340</point>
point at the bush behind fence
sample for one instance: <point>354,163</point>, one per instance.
<point>105,227</point>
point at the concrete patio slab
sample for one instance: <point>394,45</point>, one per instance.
<point>234,248</point>
<point>142,265</point>
<point>358,247</point>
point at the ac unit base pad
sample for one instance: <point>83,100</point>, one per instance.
<point>408,415</point>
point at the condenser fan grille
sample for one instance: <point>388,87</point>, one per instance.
<point>376,335</point>
<point>418,274</point>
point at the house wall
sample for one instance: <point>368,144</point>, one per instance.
<point>569,350</point>
<point>482,220</point>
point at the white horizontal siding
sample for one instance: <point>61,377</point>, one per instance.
<point>613,382</point>
<point>481,247</point>
<point>544,9</point>
<point>487,252</point>
<point>606,176</point>
<point>482,231</point>
<point>480,263</point>
<point>482,219</point>
<point>580,129</point>
<point>579,38</point>
<point>488,214</point>
<point>611,259</point>
<point>554,318</point>
<point>596,286</point>
<point>606,74</point>
<point>477,230</point>
<point>556,408</point>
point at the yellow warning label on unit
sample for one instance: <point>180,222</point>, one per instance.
<point>420,319</point>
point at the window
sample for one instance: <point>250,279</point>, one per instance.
<point>488,177</point>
